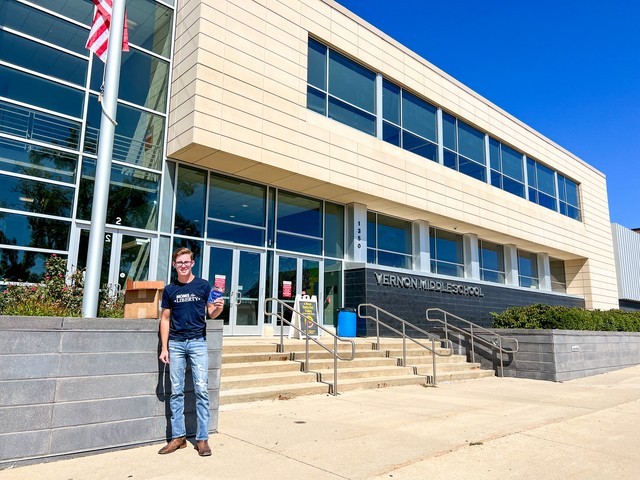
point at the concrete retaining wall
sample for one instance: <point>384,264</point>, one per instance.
<point>559,355</point>
<point>72,385</point>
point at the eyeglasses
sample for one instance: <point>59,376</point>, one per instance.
<point>183,264</point>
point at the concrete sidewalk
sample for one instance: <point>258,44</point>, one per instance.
<point>481,429</point>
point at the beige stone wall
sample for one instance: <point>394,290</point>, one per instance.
<point>239,106</point>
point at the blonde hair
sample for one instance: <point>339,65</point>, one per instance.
<point>182,251</point>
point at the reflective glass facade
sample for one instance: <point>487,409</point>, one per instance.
<point>344,90</point>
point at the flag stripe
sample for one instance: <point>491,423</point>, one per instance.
<point>98,41</point>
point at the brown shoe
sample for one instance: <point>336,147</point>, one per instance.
<point>173,445</point>
<point>203,448</point>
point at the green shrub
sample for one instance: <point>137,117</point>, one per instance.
<point>58,295</point>
<point>540,316</point>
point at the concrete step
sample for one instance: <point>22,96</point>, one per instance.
<point>266,379</point>
<point>250,368</point>
<point>282,392</point>
<point>253,369</point>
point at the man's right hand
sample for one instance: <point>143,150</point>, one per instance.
<point>164,357</point>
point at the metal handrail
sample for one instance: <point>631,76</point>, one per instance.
<point>430,336</point>
<point>494,342</point>
<point>305,332</point>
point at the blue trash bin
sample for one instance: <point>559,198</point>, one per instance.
<point>346,322</point>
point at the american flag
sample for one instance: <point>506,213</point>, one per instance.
<point>98,41</point>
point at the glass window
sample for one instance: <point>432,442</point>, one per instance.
<point>419,146</point>
<point>470,142</point>
<point>351,88</point>
<point>29,231</point>
<point>237,200</point>
<point>133,195</point>
<point>29,123</point>
<point>447,253</point>
<point>238,208</point>
<point>333,230</point>
<point>491,257</point>
<point>150,25</point>
<point>36,161</point>
<point>22,265</point>
<point>22,87</point>
<point>297,214</point>
<point>542,188</point>
<point>42,58</point>
<point>558,277</point>
<point>568,195</point>
<point>35,196</point>
<point>138,138</point>
<point>449,131</point>
<point>464,148</point>
<point>190,201</point>
<point>418,116</point>
<point>317,65</point>
<point>351,82</point>
<point>389,241</point>
<point>391,102</point>
<point>48,28</point>
<point>352,116</point>
<point>168,192</point>
<point>75,9</point>
<point>528,269</point>
<point>151,76</point>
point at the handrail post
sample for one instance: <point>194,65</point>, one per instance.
<point>501,358</point>
<point>433,355</point>
<point>473,346</point>
<point>335,366</point>
<point>306,353</point>
<point>377,329</point>
<point>404,345</point>
<point>281,328</point>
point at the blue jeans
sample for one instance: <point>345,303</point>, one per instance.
<point>195,352</point>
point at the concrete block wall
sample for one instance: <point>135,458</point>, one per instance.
<point>559,355</point>
<point>71,385</point>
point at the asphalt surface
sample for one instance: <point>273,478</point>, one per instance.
<point>493,428</point>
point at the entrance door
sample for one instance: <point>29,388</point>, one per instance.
<point>125,255</point>
<point>297,276</point>
<point>240,274</point>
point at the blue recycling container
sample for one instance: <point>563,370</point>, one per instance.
<point>346,322</point>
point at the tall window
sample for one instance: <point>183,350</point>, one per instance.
<point>463,147</point>
<point>447,253</point>
<point>558,276</point>
<point>568,196</point>
<point>528,269</point>
<point>388,241</point>
<point>236,210</point>
<point>298,223</point>
<point>507,168</point>
<point>491,257</point>
<point>409,122</point>
<point>340,88</point>
<point>542,185</point>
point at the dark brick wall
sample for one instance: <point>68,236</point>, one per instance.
<point>629,305</point>
<point>410,304</point>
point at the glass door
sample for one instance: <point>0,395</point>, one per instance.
<point>239,273</point>
<point>297,276</point>
<point>125,256</point>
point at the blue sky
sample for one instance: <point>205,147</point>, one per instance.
<point>570,69</point>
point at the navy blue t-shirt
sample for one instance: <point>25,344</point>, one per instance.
<point>188,304</point>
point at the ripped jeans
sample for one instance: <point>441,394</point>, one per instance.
<point>195,352</point>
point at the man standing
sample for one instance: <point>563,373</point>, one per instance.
<point>183,329</point>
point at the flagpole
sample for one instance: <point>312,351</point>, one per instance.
<point>103,164</point>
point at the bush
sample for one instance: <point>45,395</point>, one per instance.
<point>58,295</point>
<point>540,316</point>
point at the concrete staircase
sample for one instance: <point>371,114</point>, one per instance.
<point>253,369</point>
